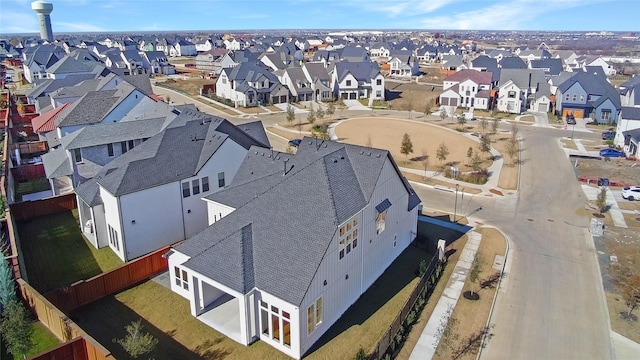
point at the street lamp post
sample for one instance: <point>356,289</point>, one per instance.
<point>572,128</point>
<point>455,206</point>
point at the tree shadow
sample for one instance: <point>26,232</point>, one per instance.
<point>393,95</point>
<point>105,320</point>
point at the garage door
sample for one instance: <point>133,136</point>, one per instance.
<point>352,96</point>
<point>578,113</point>
<point>543,107</point>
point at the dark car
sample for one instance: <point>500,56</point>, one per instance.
<point>571,120</point>
<point>608,135</point>
<point>611,152</point>
<point>295,142</point>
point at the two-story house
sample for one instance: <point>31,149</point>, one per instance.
<point>403,64</point>
<point>467,89</point>
<point>517,89</point>
<point>588,95</point>
<point>356,80</point>
<point>150,197</point>
<point>248,84</point>
<point>280,263</point>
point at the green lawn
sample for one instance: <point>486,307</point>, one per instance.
<point>41,338</point>
<point>181,336</point>
<point>32,186</point>
<point>56,254</point>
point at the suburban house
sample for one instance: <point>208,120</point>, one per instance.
<point>517,89</point>
<point>183,47</point>
<point>588,95</point>
<point>380,49</point>
<point>294,241</point>
<point>550,66</point>
<point>320,80</point>
<point>158,63</point>
<point>628,131</point>
<point>403,64</point>
<point>528,55</point>
<point>294,78</point>
<point>150,197</point>
<point>467,89</point>
<point>36,60</point>
<point>248,85</point>
<point>356,80</point>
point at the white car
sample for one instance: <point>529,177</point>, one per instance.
<point>631,193</point>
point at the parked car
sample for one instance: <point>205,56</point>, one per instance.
<point>571,120</point>
<point>295,142</point>
<point>611,152</point>
<point>631,192</point>
<point>608,135</point>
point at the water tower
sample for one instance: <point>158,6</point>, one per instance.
<point>44,9</point>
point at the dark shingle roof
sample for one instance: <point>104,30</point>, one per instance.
<point>320,187</point>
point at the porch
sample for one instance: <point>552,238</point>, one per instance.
<point>222,313</point>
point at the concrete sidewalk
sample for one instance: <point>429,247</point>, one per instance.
<point>428,342</point>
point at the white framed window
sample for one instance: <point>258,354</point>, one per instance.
<point>314,315</point>
<point>205,184</point>
<point>381,215</point>
<point>566,97</point>
<point>275,323</point>
<point>110,152</point>
<point>348,83</point>
<point>77,155</point>
<point>113,237</point>
<point>221,179</point>
<point>195,186</point>
<point>181,278</point>
<point>348,237</point>
<point>186,192</point>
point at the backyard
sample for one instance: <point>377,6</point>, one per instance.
<point>57,255</point>
<point>361,326</point>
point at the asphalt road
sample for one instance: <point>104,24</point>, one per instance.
<point>551,304</point>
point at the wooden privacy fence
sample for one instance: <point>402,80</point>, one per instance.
<point>426,284</point>
<point>87,291</point>
<point>51,205</point>
<point>28,172</point>
<point>32,147</point>
<point>79,345</point>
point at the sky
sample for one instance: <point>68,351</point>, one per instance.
<point>82,16</point>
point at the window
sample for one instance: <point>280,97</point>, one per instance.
<point>275,323</point>
<point>348,237</point>
<point>205,184</point>
<point>130,144</point>
<point>123,146</point>
<point>113,237</point>
<point>110,152</point>
<point>77,155</point>
<point>379,82</point>
<point>314,316</point>
<point>511,95</point>
<point>581,98</point>
<point>182,279</point>
<point>606,115</point>
<point>378,93</point>
<point>195,184</point>
<point>348,82</point>
<point>566,97</point>
<point>185,189</point>
<point>221,179</point>
<point>574,98</point>
<point>381,215</point>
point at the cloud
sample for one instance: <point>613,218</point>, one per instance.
<point>18,22</point>
<point>75,27</point>
<point>513,15</point>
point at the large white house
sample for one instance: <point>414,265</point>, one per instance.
<point>150,197</point>
<point>294,241</point>
<point>467,88</point>
<point>356,80</point>
<point>628,131</point>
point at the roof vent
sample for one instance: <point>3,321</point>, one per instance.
<point>335,161</point>
<point>378,156</point>
<point>342,157</point>
<point>361,152</point>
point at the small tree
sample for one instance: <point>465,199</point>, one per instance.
<point>361,355</point>
<point>406,147</point>
<point>137,342</point>
<point>409,107</point>
<point>425,161</point>
<point>427,108</point>
<point>443,114</point>
<point>7,285</point>
<point>474,271</point>
<point>469,154</point>
<point>320,114</point>
<point>442,152</point>
<point>485,143</point>
<point>601,200</point>
<point>331,109</point>
<point>461,122</point>
<point>291,114</point>
<point>476,162</point>
<point>514,130</point>
<point>484,124</point>
<point>631,293</point>
<point>494,126</point>
<point>512,149</point>
<point>311,116</point>
<point>16,329</point>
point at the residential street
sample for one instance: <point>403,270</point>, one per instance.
<point>551,304</point>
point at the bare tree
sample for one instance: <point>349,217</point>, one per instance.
<point>484,124</point>
<point>406,147</point>
<point>442,152</point>
<point>485,143</point>
<point>512,149</point>
<point>631,293</point>
<point>291,115</point>
<point>514,130</point>
<point>331,109</point>
<point>425,161</point>
<point>469,154</point>
<point>443,113</point>
<point>494,126</point>
<point>311,116</point>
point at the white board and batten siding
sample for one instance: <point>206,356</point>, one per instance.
<point>351,276</point>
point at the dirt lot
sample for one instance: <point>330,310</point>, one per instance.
<point>411,96</point>
<point>619,249</point>
<point>619,171</point>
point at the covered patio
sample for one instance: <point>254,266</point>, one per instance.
<point>219,310</point>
